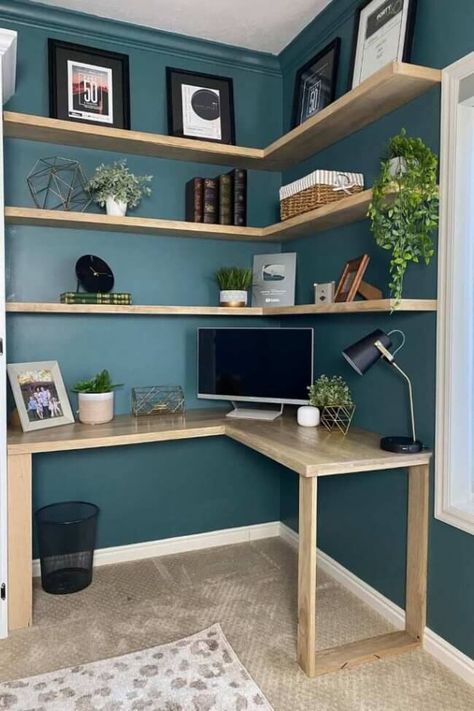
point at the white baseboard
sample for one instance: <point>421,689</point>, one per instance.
<point>444,652</point>
<point>180,544</point>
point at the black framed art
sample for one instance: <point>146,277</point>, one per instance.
<point>315,83</point>
<point>200,106</point>
<point>383,33</point>
<point>88,85</point>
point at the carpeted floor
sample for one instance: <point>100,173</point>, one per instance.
<point>250,589</point>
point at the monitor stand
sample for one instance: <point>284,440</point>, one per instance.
<point>254,413</point>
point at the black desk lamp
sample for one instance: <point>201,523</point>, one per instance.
<point>362,356</point>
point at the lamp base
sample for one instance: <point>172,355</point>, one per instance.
<point>401,445</point>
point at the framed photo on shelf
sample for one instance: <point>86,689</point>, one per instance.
<point>383,34</point>
<point>351,278</point>
<point>200,106</point>
<point>40,396</point>
<point>88,85</point>
<point>315,83</point>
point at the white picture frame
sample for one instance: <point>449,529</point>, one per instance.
<point>40,396</point>
<point>383,34</point>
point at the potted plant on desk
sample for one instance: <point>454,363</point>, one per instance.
<point>234,283</point>
<point>334,400</point>
<point>96,399</point>
<point>116,188</point>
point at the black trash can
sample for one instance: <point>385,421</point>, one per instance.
<point>66,538</point>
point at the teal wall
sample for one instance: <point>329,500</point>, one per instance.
<point>147,492</point>
<point>363,519</point>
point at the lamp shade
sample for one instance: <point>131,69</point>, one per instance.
<point>364,354</point>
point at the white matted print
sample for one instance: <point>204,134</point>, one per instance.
<point>201,112</point>
<point>90,92</point>
<point>40,395</point>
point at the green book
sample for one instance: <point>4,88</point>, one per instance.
<point>226,216</point>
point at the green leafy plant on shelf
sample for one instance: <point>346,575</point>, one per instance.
<point>118,182</point>
<point>330,391</point>
<point>404,206</point>
<point>100,383</point>
<point>234,278</point>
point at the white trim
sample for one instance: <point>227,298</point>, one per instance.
<point>8,40</point>
<point>455,377</point>
<point>180,544</point>
<point>444,652</point>
<point>3,400</point>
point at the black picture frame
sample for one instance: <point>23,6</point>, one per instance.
<point>67,62</point>
<point>314,67</point>
<point>408,40</point>
<point>185,122</point>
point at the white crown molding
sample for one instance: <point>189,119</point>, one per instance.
<point>444,652</point>
<point>8,40</point>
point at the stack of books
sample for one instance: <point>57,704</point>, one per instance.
<point>76,297</point>
<point>221,200</point>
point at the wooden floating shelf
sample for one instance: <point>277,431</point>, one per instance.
<point>389,88</point>
<point>381,305</point>
<point>346,211</point>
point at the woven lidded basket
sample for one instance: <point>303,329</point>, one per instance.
<point>317,189</point>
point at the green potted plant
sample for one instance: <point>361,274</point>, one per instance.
<point>96,398</point>
<point>404,207</point>
<point>332,396</point>
<point>116,188</point>
<point>234,283</point>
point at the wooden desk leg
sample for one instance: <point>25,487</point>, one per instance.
<point>307,575</point>
<point>417,550</point>
<point>20,583</point>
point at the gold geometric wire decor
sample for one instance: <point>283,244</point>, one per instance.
<point>337,417</point>
<point>158,400</point>
<point>58,184</point>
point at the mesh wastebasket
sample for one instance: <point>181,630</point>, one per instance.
<point>66,538</point>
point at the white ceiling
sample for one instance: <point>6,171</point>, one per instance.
<point>264,25</point>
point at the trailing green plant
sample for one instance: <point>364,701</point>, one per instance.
<point>234,278</point>
<point>404,207</point>
<point>330,391</point>
<point>100,383</point>
<point>117,181</point>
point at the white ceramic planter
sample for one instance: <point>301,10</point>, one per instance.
<point>308,416</point>
<point>233,298</point>
<point>96,408</point>
<point>115,207</point>
<point>398,166</point>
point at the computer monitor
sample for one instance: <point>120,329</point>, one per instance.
<point>255,365</point>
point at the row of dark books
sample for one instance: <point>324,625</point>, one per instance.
<point>221,200</point>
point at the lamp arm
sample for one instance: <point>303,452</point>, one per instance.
<point>410,391</point>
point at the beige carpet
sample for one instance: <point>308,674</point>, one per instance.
<point>250,589</point>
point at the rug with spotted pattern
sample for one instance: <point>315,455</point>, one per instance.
<point>198,673</point>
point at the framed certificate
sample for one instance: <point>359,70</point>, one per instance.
<point>88,85</point>
<point>315,83</point>
<point>383,34</point>
<point>200,106</point>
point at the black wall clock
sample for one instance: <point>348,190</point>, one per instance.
<point>94,275</point>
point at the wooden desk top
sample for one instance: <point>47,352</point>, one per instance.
<point>307,451</point>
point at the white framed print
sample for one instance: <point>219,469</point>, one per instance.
<point>383,34</point>
<point>40,396</point>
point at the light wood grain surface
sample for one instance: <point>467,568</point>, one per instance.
<point>307,451</point>
<point>379,305</point>
<point>20,594</point>
<point>389,88</point>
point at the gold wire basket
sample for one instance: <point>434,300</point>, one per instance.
<point>158,400</point>
<point>337,417</point>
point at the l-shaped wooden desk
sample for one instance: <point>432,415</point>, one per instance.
<point>311,453</point>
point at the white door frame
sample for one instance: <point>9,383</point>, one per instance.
<point>8,40</point>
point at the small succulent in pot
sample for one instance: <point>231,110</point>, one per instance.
<point>332,396</point>
<point>234,283</point>
<point>96,398</point>
<point>116,188</point>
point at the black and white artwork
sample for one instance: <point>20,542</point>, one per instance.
<point>315,83</point>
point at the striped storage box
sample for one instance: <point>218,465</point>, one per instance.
<point>317,189</point>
